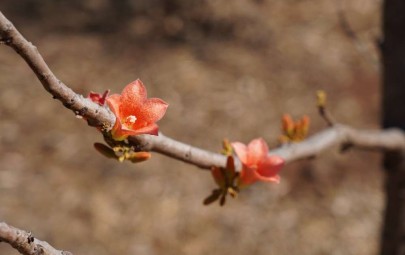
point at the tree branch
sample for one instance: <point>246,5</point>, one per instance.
<point>346,137</point>
<point>25,243</point>
<point>98,116</point>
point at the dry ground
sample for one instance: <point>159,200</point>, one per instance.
<point>227,70</point>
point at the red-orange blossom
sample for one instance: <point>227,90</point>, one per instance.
<point>258,165</point>
<point>135,113</point>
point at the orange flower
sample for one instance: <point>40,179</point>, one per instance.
<point>258,165</point>
<point>135,113</point>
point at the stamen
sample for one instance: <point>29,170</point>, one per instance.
<point>131,119</point>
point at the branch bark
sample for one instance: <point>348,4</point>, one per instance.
<point>102,117</point>
<point>9,35</point>
<point>345,137</point>
<point>25,243</point>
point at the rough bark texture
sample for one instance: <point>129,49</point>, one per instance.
<point>393,52</point>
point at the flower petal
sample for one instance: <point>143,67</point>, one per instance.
<point>154,110</point>
<point>241,151</point>
<point>135,90</point>
<point>275,178</point>
<point>151,129</point>
<point>116,131</point>
<point>114,102</point>
<point>133,97</point>
<point>257,151</point>
<point>270,166</point>
<point>248,176</point>
<point>119,132</point>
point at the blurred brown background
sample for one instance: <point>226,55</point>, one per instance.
<point>227,69</point>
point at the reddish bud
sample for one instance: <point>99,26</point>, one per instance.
<point>98,98</point>
<point>287,125</point>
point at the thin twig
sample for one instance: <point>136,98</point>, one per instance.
<point>25,243</point>
<point>361,46</point>
<point>343,136</point>
<point>325,114</point>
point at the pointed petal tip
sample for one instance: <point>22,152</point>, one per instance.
<point>276,160</point>
<point>134,93</point>
<point>240,151</point>
<point>257,150</point>
<point>258,145</point>
<point>113,103</point>
<point>276,179</point>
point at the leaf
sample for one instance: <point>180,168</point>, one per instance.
<point>105,150</point>
<point>223,199</point>
<point>216,193</point>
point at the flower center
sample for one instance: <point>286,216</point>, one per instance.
<point>130,120</point>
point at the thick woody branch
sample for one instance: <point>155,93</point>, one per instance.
<point>337,135</point>
<point>25,243</point>
<point>97,116</point>
<point>178,150</point>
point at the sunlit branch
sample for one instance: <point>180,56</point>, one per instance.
<point>25,243</point>
<point>337,135</point>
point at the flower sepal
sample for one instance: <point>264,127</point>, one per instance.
<point>226,179</point>
<point>122,152</point>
